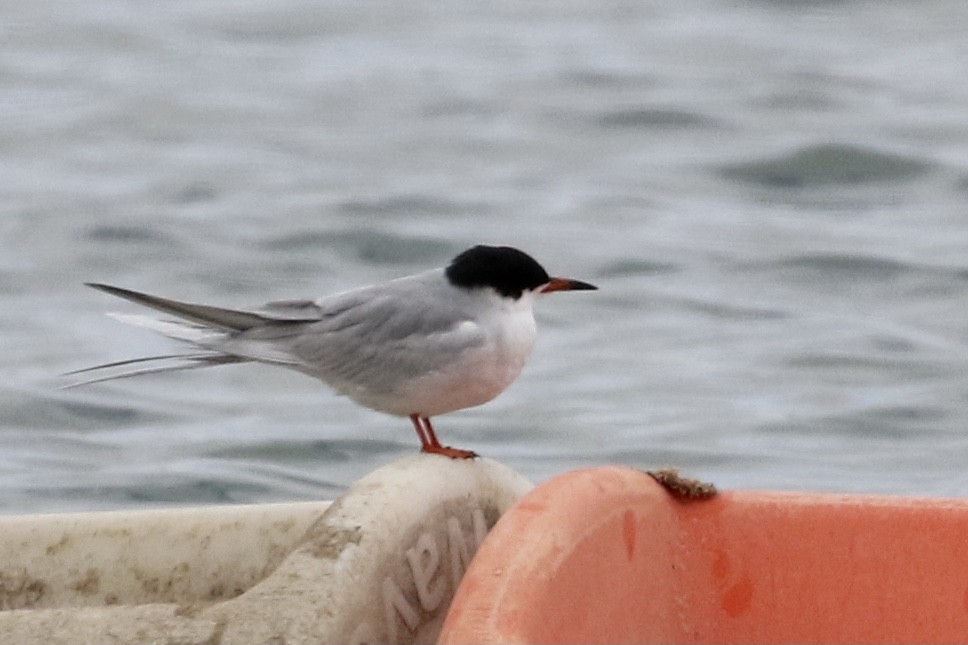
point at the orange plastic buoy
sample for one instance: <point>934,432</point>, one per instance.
<point>607,555</point>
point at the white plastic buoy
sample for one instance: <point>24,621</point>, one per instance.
<point>378,565</point>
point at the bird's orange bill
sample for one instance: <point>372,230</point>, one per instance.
<point>567,284</point>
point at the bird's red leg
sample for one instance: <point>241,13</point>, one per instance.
<point>418,426</point>
<point>430,443</point>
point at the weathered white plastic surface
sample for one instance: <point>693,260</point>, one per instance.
<point>136,557</point>
<point>378,565</point>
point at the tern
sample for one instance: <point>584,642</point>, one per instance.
<point>419,346</point>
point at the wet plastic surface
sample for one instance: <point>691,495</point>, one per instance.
<point>607,555</point>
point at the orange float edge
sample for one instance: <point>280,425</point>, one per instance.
<point>607,555</point>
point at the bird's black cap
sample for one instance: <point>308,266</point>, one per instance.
<point>507,270</point>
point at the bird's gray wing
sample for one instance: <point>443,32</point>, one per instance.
<point>216,317</point>
<point>290,310</point>
<point>371,338</point>
<point>202,326</point>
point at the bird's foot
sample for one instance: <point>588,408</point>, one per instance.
<point>447,451</point>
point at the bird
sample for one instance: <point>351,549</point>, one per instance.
<point>419,346</point>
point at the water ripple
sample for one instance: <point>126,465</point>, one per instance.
<point>827,165</point>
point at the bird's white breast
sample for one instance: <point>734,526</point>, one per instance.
<point>485,369</point>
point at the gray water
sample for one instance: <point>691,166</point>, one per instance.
<point>772,196</point>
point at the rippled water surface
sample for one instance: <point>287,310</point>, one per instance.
<point>772,196</point>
